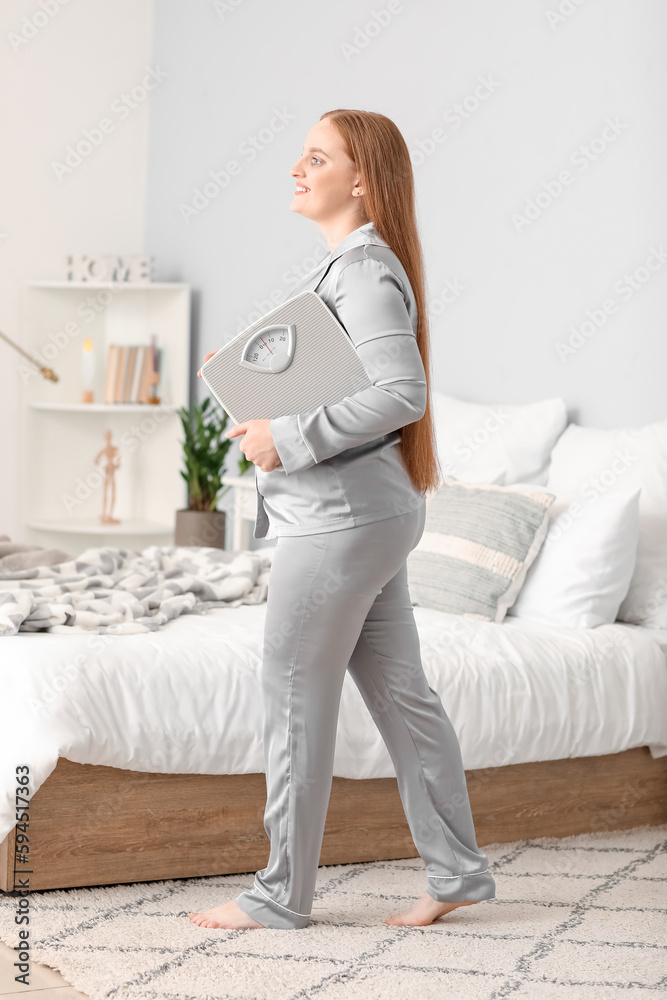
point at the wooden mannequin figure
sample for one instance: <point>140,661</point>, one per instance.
<point>112,455</point>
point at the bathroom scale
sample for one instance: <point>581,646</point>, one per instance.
<point>296,357</point>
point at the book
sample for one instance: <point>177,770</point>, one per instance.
<point>120,373</point>
<point>138,372</point>
<point>145,390</point>
<point>110,375</point>
<point>129,374</point>
<point>132,371</point>
<point>155,371</point>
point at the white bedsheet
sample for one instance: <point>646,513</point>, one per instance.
<point>187,699</point>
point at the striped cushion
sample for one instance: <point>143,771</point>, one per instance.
<point>479,540</point>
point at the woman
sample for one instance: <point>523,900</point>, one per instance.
<point>343,489</point>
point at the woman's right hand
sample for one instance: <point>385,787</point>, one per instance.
<point>205,360</point>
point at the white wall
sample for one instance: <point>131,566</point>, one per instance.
<point>554,85</point>
<point>62,81</point>
<point>553,81</point>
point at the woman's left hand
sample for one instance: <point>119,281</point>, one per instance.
<point>257,444</point>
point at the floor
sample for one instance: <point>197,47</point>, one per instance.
<point>45,983</point>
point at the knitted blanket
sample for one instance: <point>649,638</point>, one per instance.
<point>124,591</point>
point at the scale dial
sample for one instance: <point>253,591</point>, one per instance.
<point>271,349</point>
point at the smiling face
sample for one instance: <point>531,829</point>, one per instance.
<point>333,195</point>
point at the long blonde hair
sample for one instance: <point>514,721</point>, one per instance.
<point>379,151</point>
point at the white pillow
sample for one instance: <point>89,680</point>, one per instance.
<point>588,460</point>
<point>475,438</point>
<point>583,570</point>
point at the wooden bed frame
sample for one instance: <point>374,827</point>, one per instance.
<point>97,825</point>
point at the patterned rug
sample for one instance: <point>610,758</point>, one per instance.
<point>579,918</point>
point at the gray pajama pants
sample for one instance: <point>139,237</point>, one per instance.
<point>339,601</point>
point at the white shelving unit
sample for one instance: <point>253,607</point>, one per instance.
<point>61,484</point>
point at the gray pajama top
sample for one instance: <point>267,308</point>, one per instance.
<point>342,463</point>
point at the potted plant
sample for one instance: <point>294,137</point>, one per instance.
<point>204,449</point>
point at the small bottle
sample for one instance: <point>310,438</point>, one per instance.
<point>87,371</point>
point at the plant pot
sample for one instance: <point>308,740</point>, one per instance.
<point>200,527</point>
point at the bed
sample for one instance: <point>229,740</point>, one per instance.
<point>148,763</point>
<point>145,750</point>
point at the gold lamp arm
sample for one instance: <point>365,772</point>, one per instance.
<point>48,373</point>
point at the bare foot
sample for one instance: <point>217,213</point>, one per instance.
<point>425,911</point>
<point>228,915</point>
